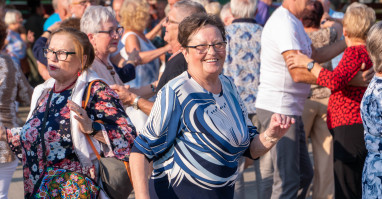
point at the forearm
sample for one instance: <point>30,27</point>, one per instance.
<point>302,75</point>
<point>151,35</point>
<point>140,170</point>
<point>260,145</point>
<point>145,105</point>
<point>43,71</point>
<point>328,52</point>
<point>148,56</point>
<point>144,91</point>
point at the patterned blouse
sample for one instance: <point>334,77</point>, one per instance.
<point>321,38</point>
<point>195,139</point>
<point>242,64</point>
<point>104,105</point>
<point>371,113</point>
<point>15,47</point>
<point>344,103</point>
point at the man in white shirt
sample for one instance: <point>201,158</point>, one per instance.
<point>284,91</point>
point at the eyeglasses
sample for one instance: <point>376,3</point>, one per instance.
<point>60,54</point>
<point>83,3</point>
<point>112,32</point>
<point>169,21</point>
<point>203,48</point>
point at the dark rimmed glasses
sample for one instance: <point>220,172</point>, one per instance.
<point>203,48</point>
<point>118,31</point>
<point>61,55</point>
<point>169,21</point>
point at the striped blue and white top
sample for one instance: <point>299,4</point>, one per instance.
<point>195,139</point>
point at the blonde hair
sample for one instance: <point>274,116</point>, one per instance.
<point>11,16</point>
<point>135,15</point>
<point>213,8</point>
<point>358,20</point>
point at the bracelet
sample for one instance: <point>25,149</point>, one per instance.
<point>48,31</point>
<point>269,139</point>
<point>135,103</point>
<point>152,87</point>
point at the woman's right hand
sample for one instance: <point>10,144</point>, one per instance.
<point>298,60</point>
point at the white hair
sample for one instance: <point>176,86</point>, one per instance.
<point>11,16</point>
<point>94,17</point>
<point>243,8</point>
<point>225,11</point>
<point>374,46</point>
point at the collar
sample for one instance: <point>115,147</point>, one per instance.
<point>244,20</point>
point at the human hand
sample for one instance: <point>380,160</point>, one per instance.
<point>134,58</point>
<point>278,126</point>
<point>30,36</point>
<point>298,60</point>
<point>124,94</point>
<point>54,27</point>
<point>84,122</point>
<point>363,77</point>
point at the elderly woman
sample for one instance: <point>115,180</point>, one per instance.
<point>54,136</point>
<point>14,46</point>
<point>371,106</point>
<point>99,23</point>
<point>13,86</point>
<point>134,18</point>
<point>343,114</point>
<point>198,128</point>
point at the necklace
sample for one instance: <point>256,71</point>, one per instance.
<point>66,88</point>
<point>108,67</point>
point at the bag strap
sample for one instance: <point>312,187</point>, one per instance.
<point>84,103</point>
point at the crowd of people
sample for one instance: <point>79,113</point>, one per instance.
<point>190,93</point>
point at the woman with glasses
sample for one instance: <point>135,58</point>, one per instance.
<point>198,128</point>
<point>55,134</point>
<point>100,25</point>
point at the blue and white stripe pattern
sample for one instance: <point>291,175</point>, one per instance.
<point>197,136</point>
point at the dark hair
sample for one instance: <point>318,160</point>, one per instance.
<point>311,18</point>
<point>81,43</point>
<point>3,33</point>
<point>193,23</point>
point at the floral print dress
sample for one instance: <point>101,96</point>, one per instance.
<point>104,105</point>
<point>371,113</point>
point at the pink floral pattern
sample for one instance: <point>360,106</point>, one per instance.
<point>103,106</point>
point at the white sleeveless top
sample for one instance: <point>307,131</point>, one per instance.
<point>146,73</point>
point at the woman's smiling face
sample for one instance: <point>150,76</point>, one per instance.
<point>209,62</point>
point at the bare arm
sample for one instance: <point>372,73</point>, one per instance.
<point>299,75</point>
<point>128,98</point>
<point>328,52</point>
<point>132,42</point>
<point>278,126</point>
<point>43,70</point>
<point>140,170</point>
<point>362,78</point>
<point>151,35</point>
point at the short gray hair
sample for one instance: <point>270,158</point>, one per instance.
<point>225,11</point>
<point>374,45</point>
<point>11,16</point>
<point>243,8</point>
<point>55,4</point>
<point>188,7</point>
<point>94,17</point>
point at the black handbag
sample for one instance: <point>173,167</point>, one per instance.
<point>115,174</point>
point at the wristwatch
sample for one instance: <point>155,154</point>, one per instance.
<point>311,65</point>
<point>135,103</point>
<point>96,127</point>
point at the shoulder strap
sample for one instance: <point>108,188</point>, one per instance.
<point>84,103</point>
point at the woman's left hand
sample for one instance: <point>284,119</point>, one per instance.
<point>85,123</point>
<point>298,60</point>
<point>278,126</point>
